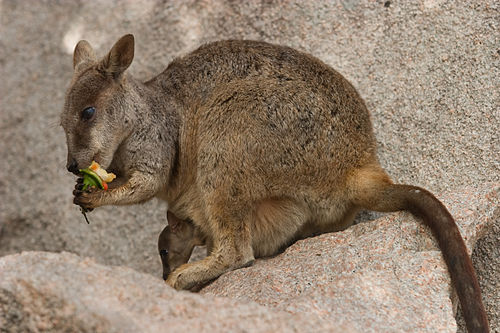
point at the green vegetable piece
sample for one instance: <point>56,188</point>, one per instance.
<point>90,178</point>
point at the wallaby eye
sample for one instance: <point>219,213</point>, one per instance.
<point>87,113</point>
<point>163,253</point>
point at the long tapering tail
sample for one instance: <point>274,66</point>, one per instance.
<point>420,202</point>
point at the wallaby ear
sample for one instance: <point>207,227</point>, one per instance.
<point>83,52</point>
<point>119,58</point>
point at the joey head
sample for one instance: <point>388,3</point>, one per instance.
<point>176,243</point>
<point>253,142</point>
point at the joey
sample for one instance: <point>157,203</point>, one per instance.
<point>176,243</point>
<point>254,142</point>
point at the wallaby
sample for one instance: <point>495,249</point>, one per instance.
<point>249,140</point>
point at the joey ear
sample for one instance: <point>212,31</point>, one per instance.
<point>83,52</point>
<point>119,58</point>
<point>174,222</point>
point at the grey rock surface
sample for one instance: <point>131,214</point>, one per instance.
<point>382,276</point>
<point>429,71</point>
<point>61,292</point>
<point>486,260</point>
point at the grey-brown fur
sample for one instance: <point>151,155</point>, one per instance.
<point>253,142</point>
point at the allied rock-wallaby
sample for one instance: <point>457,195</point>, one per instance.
<point>249,140</point>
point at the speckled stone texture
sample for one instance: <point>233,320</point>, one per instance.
<point>380,276</point>
<point>383,276</point>
<point>49,292</point>
<point>429,71</point>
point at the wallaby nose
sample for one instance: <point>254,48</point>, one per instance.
<point>73,167</point>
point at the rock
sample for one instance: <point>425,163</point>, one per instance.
<point>49,292</point>
<point>428,72</point>
<point>486,261</point>
<point>382,276</point>
<point>433,107</point>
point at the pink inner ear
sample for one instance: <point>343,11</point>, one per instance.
<point>173,221</point>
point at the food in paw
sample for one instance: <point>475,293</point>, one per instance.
<point>95,176</point>
<point>105,176</point>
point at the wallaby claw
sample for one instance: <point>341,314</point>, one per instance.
<point>186,277</point>
<point>172,280</point>
<point>86,199</point>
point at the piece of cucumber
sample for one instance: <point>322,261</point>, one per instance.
<point>90,178</point>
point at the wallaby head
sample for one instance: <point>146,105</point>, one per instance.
<point>98,110</point>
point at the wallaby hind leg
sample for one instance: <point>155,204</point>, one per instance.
<point>373,190</point>
<point>231,248</point>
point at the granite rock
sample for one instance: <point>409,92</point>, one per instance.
<point>382,276</point>
<point>62,292</point>
<point>429,71</point>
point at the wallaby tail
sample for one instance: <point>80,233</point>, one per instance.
<point>383,196</point>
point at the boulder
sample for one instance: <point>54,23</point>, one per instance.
<point>62,292</point>
<point>428,71</point>
<point>381,276</point>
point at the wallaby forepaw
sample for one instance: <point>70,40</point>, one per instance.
<point>87,199</point>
